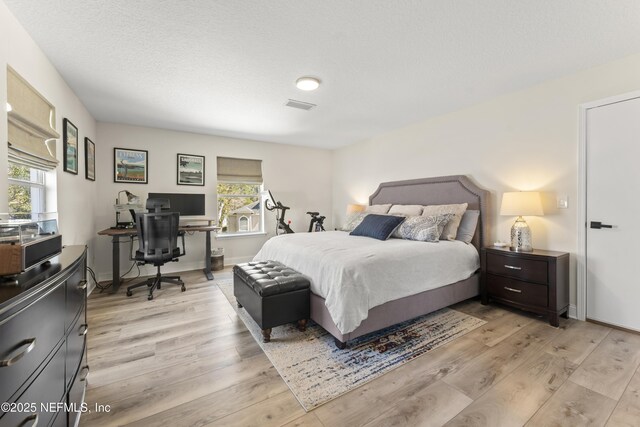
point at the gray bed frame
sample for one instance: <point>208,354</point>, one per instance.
<point>426,191</point>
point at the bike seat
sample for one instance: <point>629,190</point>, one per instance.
<point>313,213</point>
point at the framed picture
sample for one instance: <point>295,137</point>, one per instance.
<point>89,159</point>
<point>190,169</point>
<point>130,166</point>
<point>70,146</point>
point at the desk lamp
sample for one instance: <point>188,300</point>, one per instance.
<point>133,202</point>
<point>521,203</point>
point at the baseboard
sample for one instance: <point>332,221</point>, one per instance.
<point>573,312</point>
<point>146,270</point>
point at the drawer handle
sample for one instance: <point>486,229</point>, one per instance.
<point>82,285</point>
<point>86,329</point>
<point>86,367</point>
<point>512,267</point>
<point>32,417</point>
<point>518,291</point>
<point>8,362</point>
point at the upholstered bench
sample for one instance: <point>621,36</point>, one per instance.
<point>272,293</point>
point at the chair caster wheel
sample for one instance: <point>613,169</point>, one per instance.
<point>150,297</point>
<point>129,293</point>
<point>183,288</point>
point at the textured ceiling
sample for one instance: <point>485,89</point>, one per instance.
<point>228,67</point>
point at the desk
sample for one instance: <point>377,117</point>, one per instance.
<point>117,233</point>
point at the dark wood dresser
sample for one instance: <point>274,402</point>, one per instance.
<point>43,327</point>
<point>535,281</point>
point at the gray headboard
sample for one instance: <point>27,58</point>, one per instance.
<point>440,190</point>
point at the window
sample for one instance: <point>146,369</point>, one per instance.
<point>26,190</point>
<point>240,207</point>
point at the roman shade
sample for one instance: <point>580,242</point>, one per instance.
<point>31,122</point>
<point>239,170</point>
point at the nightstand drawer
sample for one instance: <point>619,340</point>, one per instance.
<point>519,268</point>
<point>517,291</point>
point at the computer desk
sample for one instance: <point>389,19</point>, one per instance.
<point>118,233</point>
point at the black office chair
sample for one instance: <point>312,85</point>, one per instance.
<point>158,243</point>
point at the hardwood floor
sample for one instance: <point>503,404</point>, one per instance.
<point>186,359</point>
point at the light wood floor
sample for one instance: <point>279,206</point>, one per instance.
<point>186,359</point>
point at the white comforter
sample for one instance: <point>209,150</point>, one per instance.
<point>354,274</point>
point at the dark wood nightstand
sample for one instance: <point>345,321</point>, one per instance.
<point>535,281</point>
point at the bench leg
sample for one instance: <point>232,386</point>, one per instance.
<point>302,325</point>
<point>266,335</point>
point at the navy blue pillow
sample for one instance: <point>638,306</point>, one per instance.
<point>377,226</point>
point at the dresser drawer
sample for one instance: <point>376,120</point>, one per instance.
<point>518,268</point>
<point>27,337</point>
<point>76,341</point>
<point>76,295</point>
<point>47,388</point>
<point>517,291</point>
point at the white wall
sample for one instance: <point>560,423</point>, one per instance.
<point>76,196</point>
<point>527,140</point>
<point>300,177</point>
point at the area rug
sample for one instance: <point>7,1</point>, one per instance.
<point>317,372</point>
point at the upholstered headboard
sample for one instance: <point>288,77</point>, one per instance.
<point>439,191</point>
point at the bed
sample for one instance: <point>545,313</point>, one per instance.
<point>360,285</point>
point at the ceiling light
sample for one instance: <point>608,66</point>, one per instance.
<point>307,83</point>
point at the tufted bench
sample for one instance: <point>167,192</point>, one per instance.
<point>272,293</point>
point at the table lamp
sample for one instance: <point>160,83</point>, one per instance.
<point>355,208</point>
<point>521,203</point>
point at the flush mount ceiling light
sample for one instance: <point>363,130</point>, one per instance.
<point>307,83</point>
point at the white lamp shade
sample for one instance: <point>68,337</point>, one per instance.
<point>521,203</point>
<point>353,208</point>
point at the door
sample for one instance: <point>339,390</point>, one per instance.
<point>613,213</point>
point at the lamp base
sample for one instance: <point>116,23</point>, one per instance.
<point>521,236</point>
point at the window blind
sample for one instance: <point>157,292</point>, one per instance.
<point>239,170</point>
<point>31,121</point>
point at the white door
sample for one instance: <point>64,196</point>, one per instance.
<point>613,199</point>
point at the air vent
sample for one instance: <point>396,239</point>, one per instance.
<point>299,104</point>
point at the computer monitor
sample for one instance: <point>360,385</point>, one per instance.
<point>184,203</point>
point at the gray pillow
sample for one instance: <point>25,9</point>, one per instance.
<point>468,224</point>
<point>378,209</point>
<point>423,228</point>
<point>353,220</point>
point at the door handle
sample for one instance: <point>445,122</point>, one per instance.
<point>598,225</point>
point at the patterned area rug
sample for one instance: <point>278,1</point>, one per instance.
<point>317,372</point>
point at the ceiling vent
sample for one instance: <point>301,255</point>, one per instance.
<point>299,104</point>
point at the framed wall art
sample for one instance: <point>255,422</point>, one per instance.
<point>89,159</point>
<point>130,166</point>
<point>190,169</point>
<point>70,146</point>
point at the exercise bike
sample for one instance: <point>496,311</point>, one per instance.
<point>317,222</point>
<point>282,226</point>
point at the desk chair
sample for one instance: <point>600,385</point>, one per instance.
<point>158,244</point>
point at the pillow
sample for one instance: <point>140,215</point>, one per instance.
<point>377,226</point>
<point>423,228</point>
<point>353,220</point>
<point>406,210</point>
<point>451,229</point>
<point>468,226</point>
<point>378,209</point>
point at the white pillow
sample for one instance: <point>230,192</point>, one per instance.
<point>353,220</point>
<point>451,229</point>
<point>406,210</point>
<point>378,209</point>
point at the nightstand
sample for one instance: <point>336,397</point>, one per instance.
<point>535,281</point>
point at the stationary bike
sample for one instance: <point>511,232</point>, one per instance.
<point>317,222</point>
<point>282,226</point>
